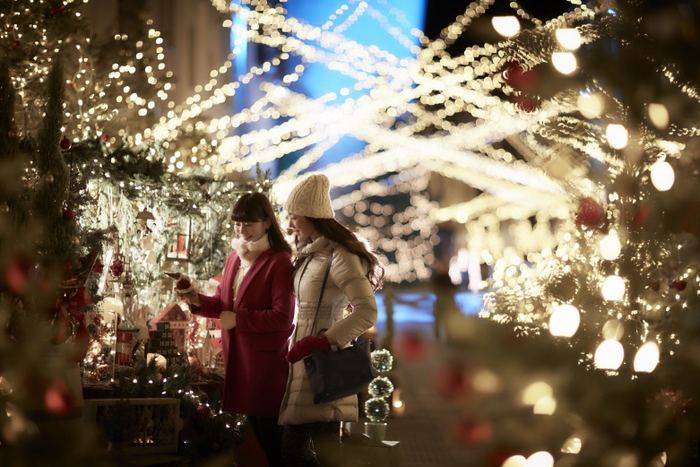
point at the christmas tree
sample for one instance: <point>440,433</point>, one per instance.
<point>585,353</point>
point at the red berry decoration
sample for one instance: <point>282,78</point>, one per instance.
<point>680,285</point>
<point>105,137</point>
<point>517,78</point>
<point>69,214</point>
<point>117,267</point>
<point>66,144</point>
<point>15,43</point>
<point>590,213</point>
<point>99,268</point>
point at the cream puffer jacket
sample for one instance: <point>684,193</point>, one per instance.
<point>346,283</point>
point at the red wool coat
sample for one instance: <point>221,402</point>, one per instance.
<point>255,350</point>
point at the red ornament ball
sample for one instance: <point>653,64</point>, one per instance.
<point>66,144</point>
<point>680,285</point>
<point>58,399</point>
<point>590,213</point>
<point>203,411</point>
<point>69,214</point>
<point>117,267</point>
<point>67,266</point>
<point>15,43</point>
<point>527,104</point>
<point>105,137</point>
<point>99,268</point>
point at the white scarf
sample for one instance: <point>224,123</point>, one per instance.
<point>249,251</point>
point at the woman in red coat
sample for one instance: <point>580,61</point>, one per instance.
<point>255,303</point>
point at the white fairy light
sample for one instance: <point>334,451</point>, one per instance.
<point>617,135</point>
<point>569,38</point>
<point>564,321</point>
<point>609,355</point>
<point>647,358</point>
<point>610,246</point>
<point>613,288</point>
<point>506,26</point>
<point>662,175</point>
<point>564,62</point>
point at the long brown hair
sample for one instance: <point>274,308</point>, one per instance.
<point>339,233</point>
<point>255,207</point>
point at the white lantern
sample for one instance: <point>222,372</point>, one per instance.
<point>647,358</point>
<point>564,321</point>
<point>609,355</point>
<point>662,175</point>
<point>613,288</point>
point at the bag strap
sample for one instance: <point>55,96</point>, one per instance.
<point>323,288</point>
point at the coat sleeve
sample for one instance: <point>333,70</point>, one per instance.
<point>348,275</point>
<point>211,306</point>
<point>281,315</point>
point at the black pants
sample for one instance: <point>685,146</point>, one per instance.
<point>299,451</point>
<point>269,436</point>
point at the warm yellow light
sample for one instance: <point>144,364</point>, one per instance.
<point>535,392</point>
<point>506,26</point>
<point>613,288</point>
<point>540,459</point>
<point>514,461</point>
<point>564,321</point>
<point>590,105</point>
<point>662,175</point>
<point>572,445</point>
<point>658,114</point>
<point>610,246</point>
<point>545,406</point>
<point>569,38</point>
<point>613,329</point>
<point>647,358</point>
<point>617,135</point>
<point>609,355</point>
<point>564,62</point>
<point>485,381</point>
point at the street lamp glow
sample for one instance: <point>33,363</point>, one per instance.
<point>506,26</point>
<point>564,62</point>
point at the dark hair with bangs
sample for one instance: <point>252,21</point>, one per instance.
<point>255,207</point>
<point>339,233</point>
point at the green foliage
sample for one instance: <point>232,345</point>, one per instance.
<point>377,410</point>
<point>380,387</point>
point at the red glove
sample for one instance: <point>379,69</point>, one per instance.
<point>304,347</point>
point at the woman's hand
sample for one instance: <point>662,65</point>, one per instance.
<point>228,320</point>
<point>191,298</point>
<point>304,347</point>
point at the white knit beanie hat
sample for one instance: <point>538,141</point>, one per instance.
<point>311,198</point>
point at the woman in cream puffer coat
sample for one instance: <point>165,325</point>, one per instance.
<point>354,275</point>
